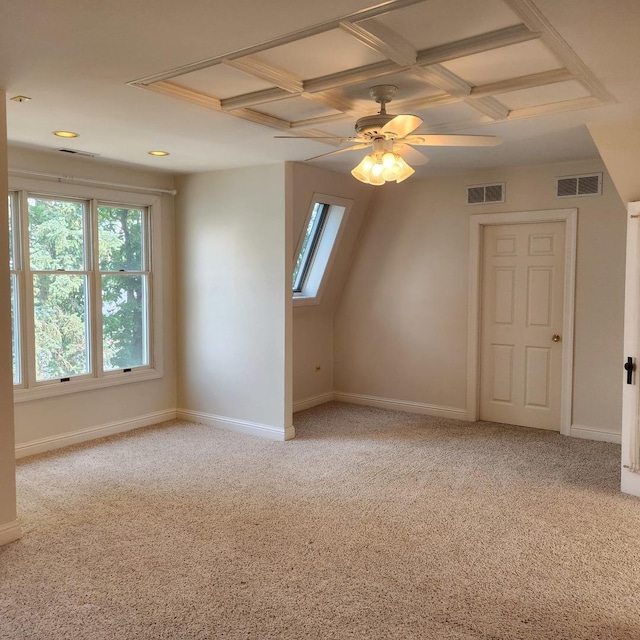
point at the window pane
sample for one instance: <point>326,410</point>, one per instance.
<point>61,325</point>
<point>15,333</point>
<point>124,321</point>
<point>56,235</point>
<point>308,244</point>
<point>120,239</point>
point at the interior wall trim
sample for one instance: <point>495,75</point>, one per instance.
<point>40,445</point>
<point>593,433</point>
<point>402,405</point>
<point>239,426</point>
<point>10,532</point>
<point>312,401</point>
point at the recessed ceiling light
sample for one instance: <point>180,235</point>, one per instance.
<point>66,134</point>
<point>20,98</point>
<point>158,153</point>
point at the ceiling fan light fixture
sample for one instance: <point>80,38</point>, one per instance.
<point>377,168</point>
<point>363,170</point>
<point>405,172</point>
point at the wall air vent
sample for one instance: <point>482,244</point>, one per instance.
<point>75,152</point>
<point>584,185</point>
<point>486,193</point>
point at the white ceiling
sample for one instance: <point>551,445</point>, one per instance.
<point>214,82</point>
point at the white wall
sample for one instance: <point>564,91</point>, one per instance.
<point>401,323</point>
<point>57,421</point>
<point>234,265</point>
<point>619,147</point>
<point>9,529</point>
<point>313,325</point>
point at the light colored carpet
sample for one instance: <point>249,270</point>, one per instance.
<point>371,525</point>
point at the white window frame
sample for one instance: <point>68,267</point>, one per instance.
<point>325,247</point>
<point>29,390</point>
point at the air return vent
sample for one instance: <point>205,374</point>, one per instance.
<point>585,185</point>
<point>75,152</point>
<point>485,193</point>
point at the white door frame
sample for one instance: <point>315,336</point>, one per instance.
<point>476,224</point>
<point>630,479</point>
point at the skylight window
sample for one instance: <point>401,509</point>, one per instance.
<point>309,245</point>
<point>316,246</point>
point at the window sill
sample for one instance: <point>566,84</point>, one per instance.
<point>76,386</point>
<point>305,301</point>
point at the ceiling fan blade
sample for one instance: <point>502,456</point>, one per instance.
<point>451,140</point>
<point>411,155</point>
<point>402,125</point>
<point>316,138</point>
<point>355,147</point>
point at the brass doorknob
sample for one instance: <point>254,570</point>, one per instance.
<point>555,338</point>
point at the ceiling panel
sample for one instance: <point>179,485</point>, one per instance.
<point>221,82</point>
<point>503,63</point>
<point>321,55</point>
<point>437,22</point>
<point>544,95</point>
<point>409,87</point>
<point>294,109</point>
<point>451,113</point>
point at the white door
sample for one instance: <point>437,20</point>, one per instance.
<point>630,405</point>
<point>521,328</point>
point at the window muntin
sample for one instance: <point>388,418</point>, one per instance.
<point>309,245</point>
<point>86,311</point>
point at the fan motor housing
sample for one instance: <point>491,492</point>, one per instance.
<point>370,126</point>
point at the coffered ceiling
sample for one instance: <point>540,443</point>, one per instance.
<point>499,67</point>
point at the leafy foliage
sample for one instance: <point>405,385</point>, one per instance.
<point>120,242</point>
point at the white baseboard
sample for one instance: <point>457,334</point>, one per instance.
<point>241,426</point>
<point>65,439</point>
<point>402,405</point>
<point>10,532</point>
<point>590,433</point>
<point>314,401</point>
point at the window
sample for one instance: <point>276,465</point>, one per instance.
<point>81,285</point>
<point>316,247</point>
<point>309,245</point>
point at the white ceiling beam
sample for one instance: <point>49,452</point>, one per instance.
<point>440,77</point>
<point>386,41</point>
<point>489,106</point>
<point>173,90</point>
<point>520,114</point>
<point>522,82</point>
<point>335,100</point>
<point>555,107</point>
<point>267,72</point>
<point>535,20</point>
<point>476,44</point>
<point>254,98</point>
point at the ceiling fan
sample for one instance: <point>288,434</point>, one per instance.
<point>392,139</point>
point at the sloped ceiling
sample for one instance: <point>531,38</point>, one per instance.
<point>213,83</point>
